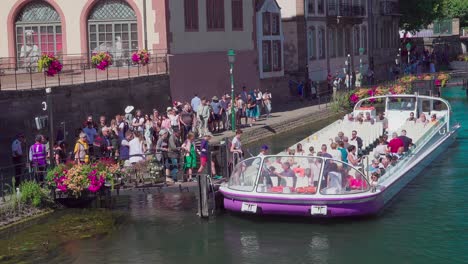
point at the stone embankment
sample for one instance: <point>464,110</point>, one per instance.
<point>281,122</point>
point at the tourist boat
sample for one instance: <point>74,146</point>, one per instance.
<point>318,186</point>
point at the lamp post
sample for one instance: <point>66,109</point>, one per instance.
<point>348,69</point>
<point>398,61</point>
<point>51,124</point>
<point>408,48</point>
<point>232,58</point>
<point>361,52</point>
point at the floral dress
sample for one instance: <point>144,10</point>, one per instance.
<point>191,158</point>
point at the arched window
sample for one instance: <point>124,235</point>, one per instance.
<point>112,27</point>
<point>311,44</point>
<point>38,30</point>
<point>321,42</point>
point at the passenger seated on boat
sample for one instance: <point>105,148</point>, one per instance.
<point>287,175</point>
<point>339,137</point>
<point>395,144</point>
<point>385,138</point>
<point>383,119</point>
<point>381,149</point>
<point>368,118</point>
<point>306,180</point>
<point>374,181</point>
<point>411,117</point>
<point>422,119</point>
<point>407,142</point>
<point>385,161</point>
<point>434,120</point>
<point>358,183</point>
<point>374,166</point>
<point>349,118</point>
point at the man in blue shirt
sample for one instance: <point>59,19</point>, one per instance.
<point>216,107</point>
<point>195,103</point>
<point>91,134</point>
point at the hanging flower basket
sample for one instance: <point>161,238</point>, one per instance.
<point>78,179</point>
<point>102,60</point>
<point>50,64</point>
<point>141,57</point>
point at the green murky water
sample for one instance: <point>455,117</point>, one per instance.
<point>426,223</point>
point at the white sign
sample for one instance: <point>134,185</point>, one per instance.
<point>318,210</point>
<point>44,106</point>
<point>249,207</point>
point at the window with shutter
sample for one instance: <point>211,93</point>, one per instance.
<point>237,15</point>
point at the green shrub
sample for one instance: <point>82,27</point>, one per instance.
<point>33,194</point>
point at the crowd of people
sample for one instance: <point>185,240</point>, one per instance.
<point>131,135</point>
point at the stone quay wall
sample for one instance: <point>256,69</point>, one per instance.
<point>71,104</point>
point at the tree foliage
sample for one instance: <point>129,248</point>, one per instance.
<point>418,14</point>
<point>455,8</point>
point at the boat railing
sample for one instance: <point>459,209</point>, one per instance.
<point>418,145</point>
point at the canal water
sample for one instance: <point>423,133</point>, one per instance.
<point>426,223</point>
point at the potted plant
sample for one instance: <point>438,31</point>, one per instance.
<point>141,57</point>
<point>78,184</point>
<point>50,64</point>
<point>102,60</point>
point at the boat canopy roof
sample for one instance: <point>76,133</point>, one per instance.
<point>297,175</point>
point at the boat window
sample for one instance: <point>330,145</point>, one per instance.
<point>244,175</point>
<point>340,178</point>
<point>401,103</point>
<point>290,175</point>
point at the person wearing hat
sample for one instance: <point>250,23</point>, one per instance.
<point>128,114</point>
<point>204,152</point>
<point>174,118</point>
<point>216,113</point>
<point>17,156</point>
<point>263,151</point>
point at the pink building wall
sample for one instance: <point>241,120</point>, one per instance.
<point>207,74</point>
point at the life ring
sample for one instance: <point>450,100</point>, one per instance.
<point>442,131</point>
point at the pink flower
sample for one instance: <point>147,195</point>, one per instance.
<point>354,98</point>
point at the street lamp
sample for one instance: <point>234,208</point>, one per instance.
<point>51,124</point>
<point>408,48</point>
<point>232,58</point>
<point>348,67</point>
<point>361,52</point>
<point>398,60</point>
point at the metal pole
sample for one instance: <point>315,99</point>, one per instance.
<point>145,25</point>
<point>51,124</point>
<point>233,112</point>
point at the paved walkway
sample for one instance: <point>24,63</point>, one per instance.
<point>282,120</point>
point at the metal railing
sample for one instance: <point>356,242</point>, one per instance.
<point>77,69</point>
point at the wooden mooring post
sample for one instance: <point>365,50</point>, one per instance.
<point>203,205</point>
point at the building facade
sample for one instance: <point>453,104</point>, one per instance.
<point>202,31</point>
<point>323,36</point>
<point>76,29</point>
<point>195,33</point>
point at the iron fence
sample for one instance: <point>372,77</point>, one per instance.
<point>77,69</point>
